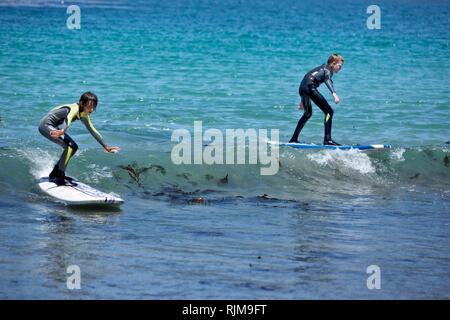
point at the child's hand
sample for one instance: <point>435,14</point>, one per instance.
<point>300,106</point>
<point>56,133</point>
<point>336,98</point>
<point>112,149</point>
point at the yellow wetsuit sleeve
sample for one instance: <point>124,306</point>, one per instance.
<point>74,108</point>
<point>72,113</point>
<point>87,122</point>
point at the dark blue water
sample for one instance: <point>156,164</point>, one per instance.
<point>224,231</point>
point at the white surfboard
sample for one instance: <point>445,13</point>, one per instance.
<point>342,147</point>
<point>77,193</point>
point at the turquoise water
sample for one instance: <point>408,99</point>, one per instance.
<point>225,231</point>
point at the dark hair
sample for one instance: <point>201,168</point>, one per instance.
<point>87,98</point>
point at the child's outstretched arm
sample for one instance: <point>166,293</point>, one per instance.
<point>87,122</point>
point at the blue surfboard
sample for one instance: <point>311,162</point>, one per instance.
<point>318,146</point>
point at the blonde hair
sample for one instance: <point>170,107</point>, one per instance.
<point>335,58</point>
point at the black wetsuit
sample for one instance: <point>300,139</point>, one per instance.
<point>308,91</point>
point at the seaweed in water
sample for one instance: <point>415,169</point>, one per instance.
<point>184,175</point>
<point>134,171</point>
<point>266,197</point>
<point>197,200</point>
<point>158,168</point>
<point>417,175</point>
<point>225,179</point>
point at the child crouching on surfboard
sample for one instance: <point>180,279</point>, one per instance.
<point>64,115</point>
<point>308,91</point>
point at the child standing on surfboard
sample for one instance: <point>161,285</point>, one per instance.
<point>308,91</point>
<point>64,115</point>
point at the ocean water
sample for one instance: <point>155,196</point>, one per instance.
<point>224,231</point>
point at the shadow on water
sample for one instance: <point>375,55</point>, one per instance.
<point>95,209</point>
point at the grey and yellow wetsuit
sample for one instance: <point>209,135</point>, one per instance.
<point>308,91</point>
<point>63,116</point>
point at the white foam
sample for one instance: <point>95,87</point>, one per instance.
<point>354,160</point>
<point>398,154</point>
<point>42,162</point>
<point>97,173</point>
